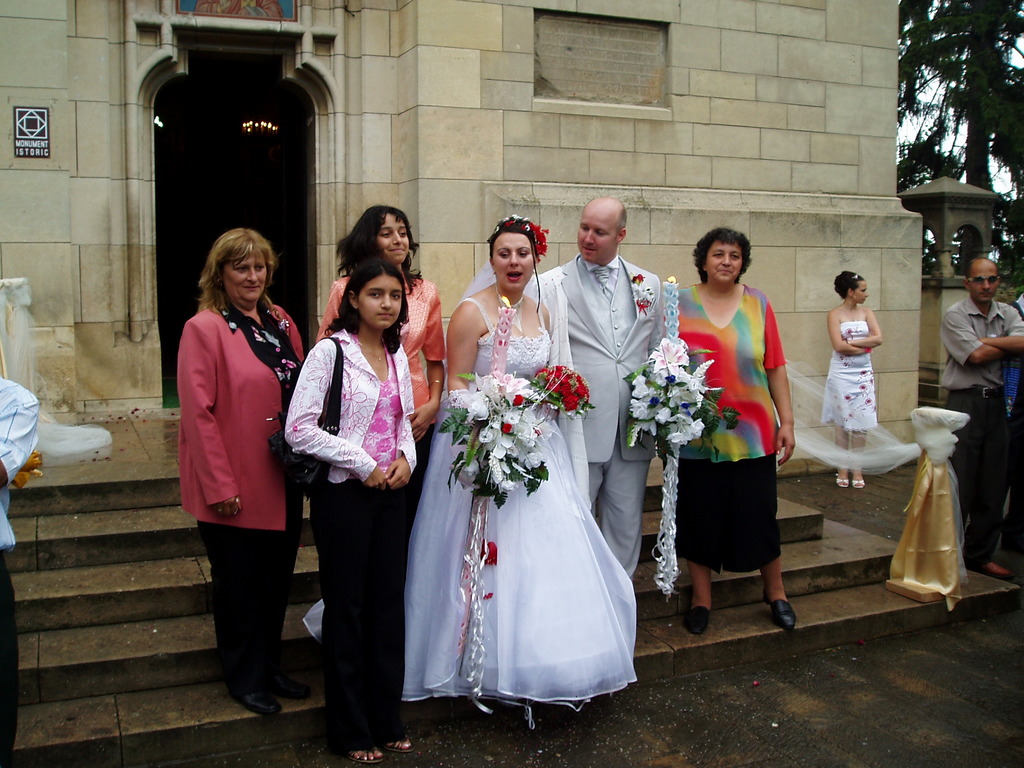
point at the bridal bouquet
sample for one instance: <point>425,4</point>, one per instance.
<point>672,401</point>
<point>501,428</point>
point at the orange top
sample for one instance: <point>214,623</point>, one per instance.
<point>424,331</point>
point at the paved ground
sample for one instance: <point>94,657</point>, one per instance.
<point>949,697</point>
<point>945,697</point>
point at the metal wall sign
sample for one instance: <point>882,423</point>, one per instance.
<point>31,132</point>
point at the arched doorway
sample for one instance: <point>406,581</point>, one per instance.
<point>230,151</point>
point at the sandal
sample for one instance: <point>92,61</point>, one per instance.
<point>364,756</point>
<point>858,483</point>
<point>843,482</point>
<point>402,745</point>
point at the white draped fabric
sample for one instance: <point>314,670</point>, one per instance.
<point>58,443</point>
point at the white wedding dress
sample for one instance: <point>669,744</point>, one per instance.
<point>560,613</point>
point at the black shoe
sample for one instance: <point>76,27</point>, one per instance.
<point>282,685</point>
<point>782,613</point>
<point>262,703</point>
<point>697,619</point>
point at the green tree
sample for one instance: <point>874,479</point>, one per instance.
<point>961,103</point>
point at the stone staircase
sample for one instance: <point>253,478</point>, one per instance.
<point>118,666</point>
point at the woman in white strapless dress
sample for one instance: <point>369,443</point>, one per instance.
<point>559,618</point>
<point>849,401</point>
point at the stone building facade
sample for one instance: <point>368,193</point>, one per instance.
<point>775,117</point>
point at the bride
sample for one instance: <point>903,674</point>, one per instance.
<point>559,614</point>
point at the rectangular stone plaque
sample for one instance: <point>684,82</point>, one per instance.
<point>589,58</point>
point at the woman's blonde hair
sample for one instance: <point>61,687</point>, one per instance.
<point>230,248</point>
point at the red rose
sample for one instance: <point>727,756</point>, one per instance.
<point>506,428</point>
<point>571,403</point>
<point>518,400</point>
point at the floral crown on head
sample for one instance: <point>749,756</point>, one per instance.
<point>517,223</point>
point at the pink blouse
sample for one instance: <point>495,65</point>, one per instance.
<point>424,331</point>
<point>382,436</point>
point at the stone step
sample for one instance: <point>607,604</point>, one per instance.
<point>115,658</point>
<point>144,587</point>
<point>158,726</point>
<point>106,538</point>
<point>142,655</point>
<point>125,592</point>
<point>158,533</point>
<point>127,535</point>
<point>842,557</point>
<point>745,634</point>
<point>177,723</point>
<point>66,493</point>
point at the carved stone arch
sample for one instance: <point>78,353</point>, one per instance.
<point>140,200</point>
<point>301,72</point>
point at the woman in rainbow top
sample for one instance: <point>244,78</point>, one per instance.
<point>738,530</point>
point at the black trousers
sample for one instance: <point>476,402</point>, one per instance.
<point>8,668</point>
<point>360,541</point>
<point>252,575</point>
<point>979,461</point>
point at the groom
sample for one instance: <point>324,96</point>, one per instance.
<point>612,315</point>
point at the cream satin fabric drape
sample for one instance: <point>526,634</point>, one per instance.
<point>928,564</point>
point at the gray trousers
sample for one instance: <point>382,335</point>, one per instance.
<point>617,490</point>
<point>979,461</point>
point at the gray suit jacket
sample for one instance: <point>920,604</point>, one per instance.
<point>605,368</point>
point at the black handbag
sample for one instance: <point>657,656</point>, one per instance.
<point>309,472</point>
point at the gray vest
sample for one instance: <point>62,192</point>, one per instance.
<point>620,308</point>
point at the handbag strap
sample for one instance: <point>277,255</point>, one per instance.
<point>333,417</point>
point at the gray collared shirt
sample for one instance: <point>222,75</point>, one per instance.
<point>962,326</point>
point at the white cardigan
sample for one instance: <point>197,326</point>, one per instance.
<point>359,394</point>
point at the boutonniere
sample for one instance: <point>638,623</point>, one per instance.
<point>643,294</point>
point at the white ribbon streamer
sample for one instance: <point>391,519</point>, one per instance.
<point>473,651</point>
<point>665,547</point>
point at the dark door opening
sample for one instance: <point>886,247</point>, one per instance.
<point>230,152</point>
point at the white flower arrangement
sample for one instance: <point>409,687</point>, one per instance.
<point>502,426</point>
<point>672,401</point>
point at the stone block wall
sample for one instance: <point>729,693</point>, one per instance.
<point>777,117</point>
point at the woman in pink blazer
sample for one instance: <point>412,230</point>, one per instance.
<point>237,363</point>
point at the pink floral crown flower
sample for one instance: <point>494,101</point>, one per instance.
<point>517,223</point>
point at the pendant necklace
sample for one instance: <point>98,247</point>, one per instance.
<point>379,356</point>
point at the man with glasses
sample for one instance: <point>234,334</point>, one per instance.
<point>978,332</point>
